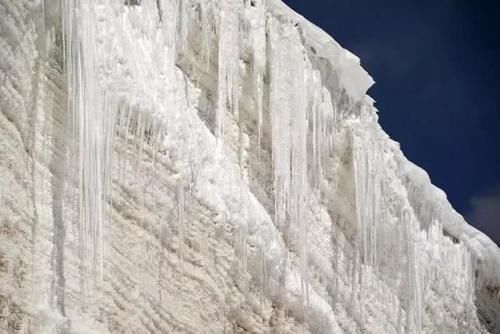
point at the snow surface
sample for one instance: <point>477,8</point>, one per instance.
<point>204,166</point>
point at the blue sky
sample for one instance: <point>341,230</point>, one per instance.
<point>437,70</point>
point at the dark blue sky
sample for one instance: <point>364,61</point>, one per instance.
<point>437,69</point>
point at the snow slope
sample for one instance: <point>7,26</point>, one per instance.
<point>204,166</point>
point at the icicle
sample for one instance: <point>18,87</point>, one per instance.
<point>289,137</point>
<point>366,164</point>
<point>258,41</point>
<point>263,277</point>
<point>183,21</point>
<point>469,287</point>
<point>206,31</point>
<point>181,222</point>
<point>175,34</point>
<point>280,119</point>
<point>358,190</point>
<point>228,60</point>
<point>89,124</point>
<point>413,279</point>
<point>365,202</point>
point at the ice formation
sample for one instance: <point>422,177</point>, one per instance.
<point>210,166</point>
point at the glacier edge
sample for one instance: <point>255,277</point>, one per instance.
<point>238,183</point>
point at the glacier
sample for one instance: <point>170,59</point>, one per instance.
<point>214,166</point>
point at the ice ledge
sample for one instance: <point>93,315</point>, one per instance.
<point>353,78</point>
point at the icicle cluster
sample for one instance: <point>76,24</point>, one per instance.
<point>366,165</point>
<point>228,63</point>
<point>92,127</point>
<point>335,222</point>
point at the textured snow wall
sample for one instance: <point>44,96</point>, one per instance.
<point>211,166</point>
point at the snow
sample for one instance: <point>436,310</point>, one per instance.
<point>210,166</point>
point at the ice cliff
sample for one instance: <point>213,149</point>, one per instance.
<point>214,166</point>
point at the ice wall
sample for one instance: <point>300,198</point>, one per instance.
<point>204,166</point>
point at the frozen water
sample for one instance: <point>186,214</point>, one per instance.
<point>209,166</point>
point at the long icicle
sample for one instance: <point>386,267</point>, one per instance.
<point>90,122</point>
<point>228,60</point>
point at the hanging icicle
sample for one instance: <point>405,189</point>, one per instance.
<point>90,123</point>
<point>228,60</point>
<point>181,221</point>
<point>289,137</point>
<point>413,277</point>
<point>257,38</point>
